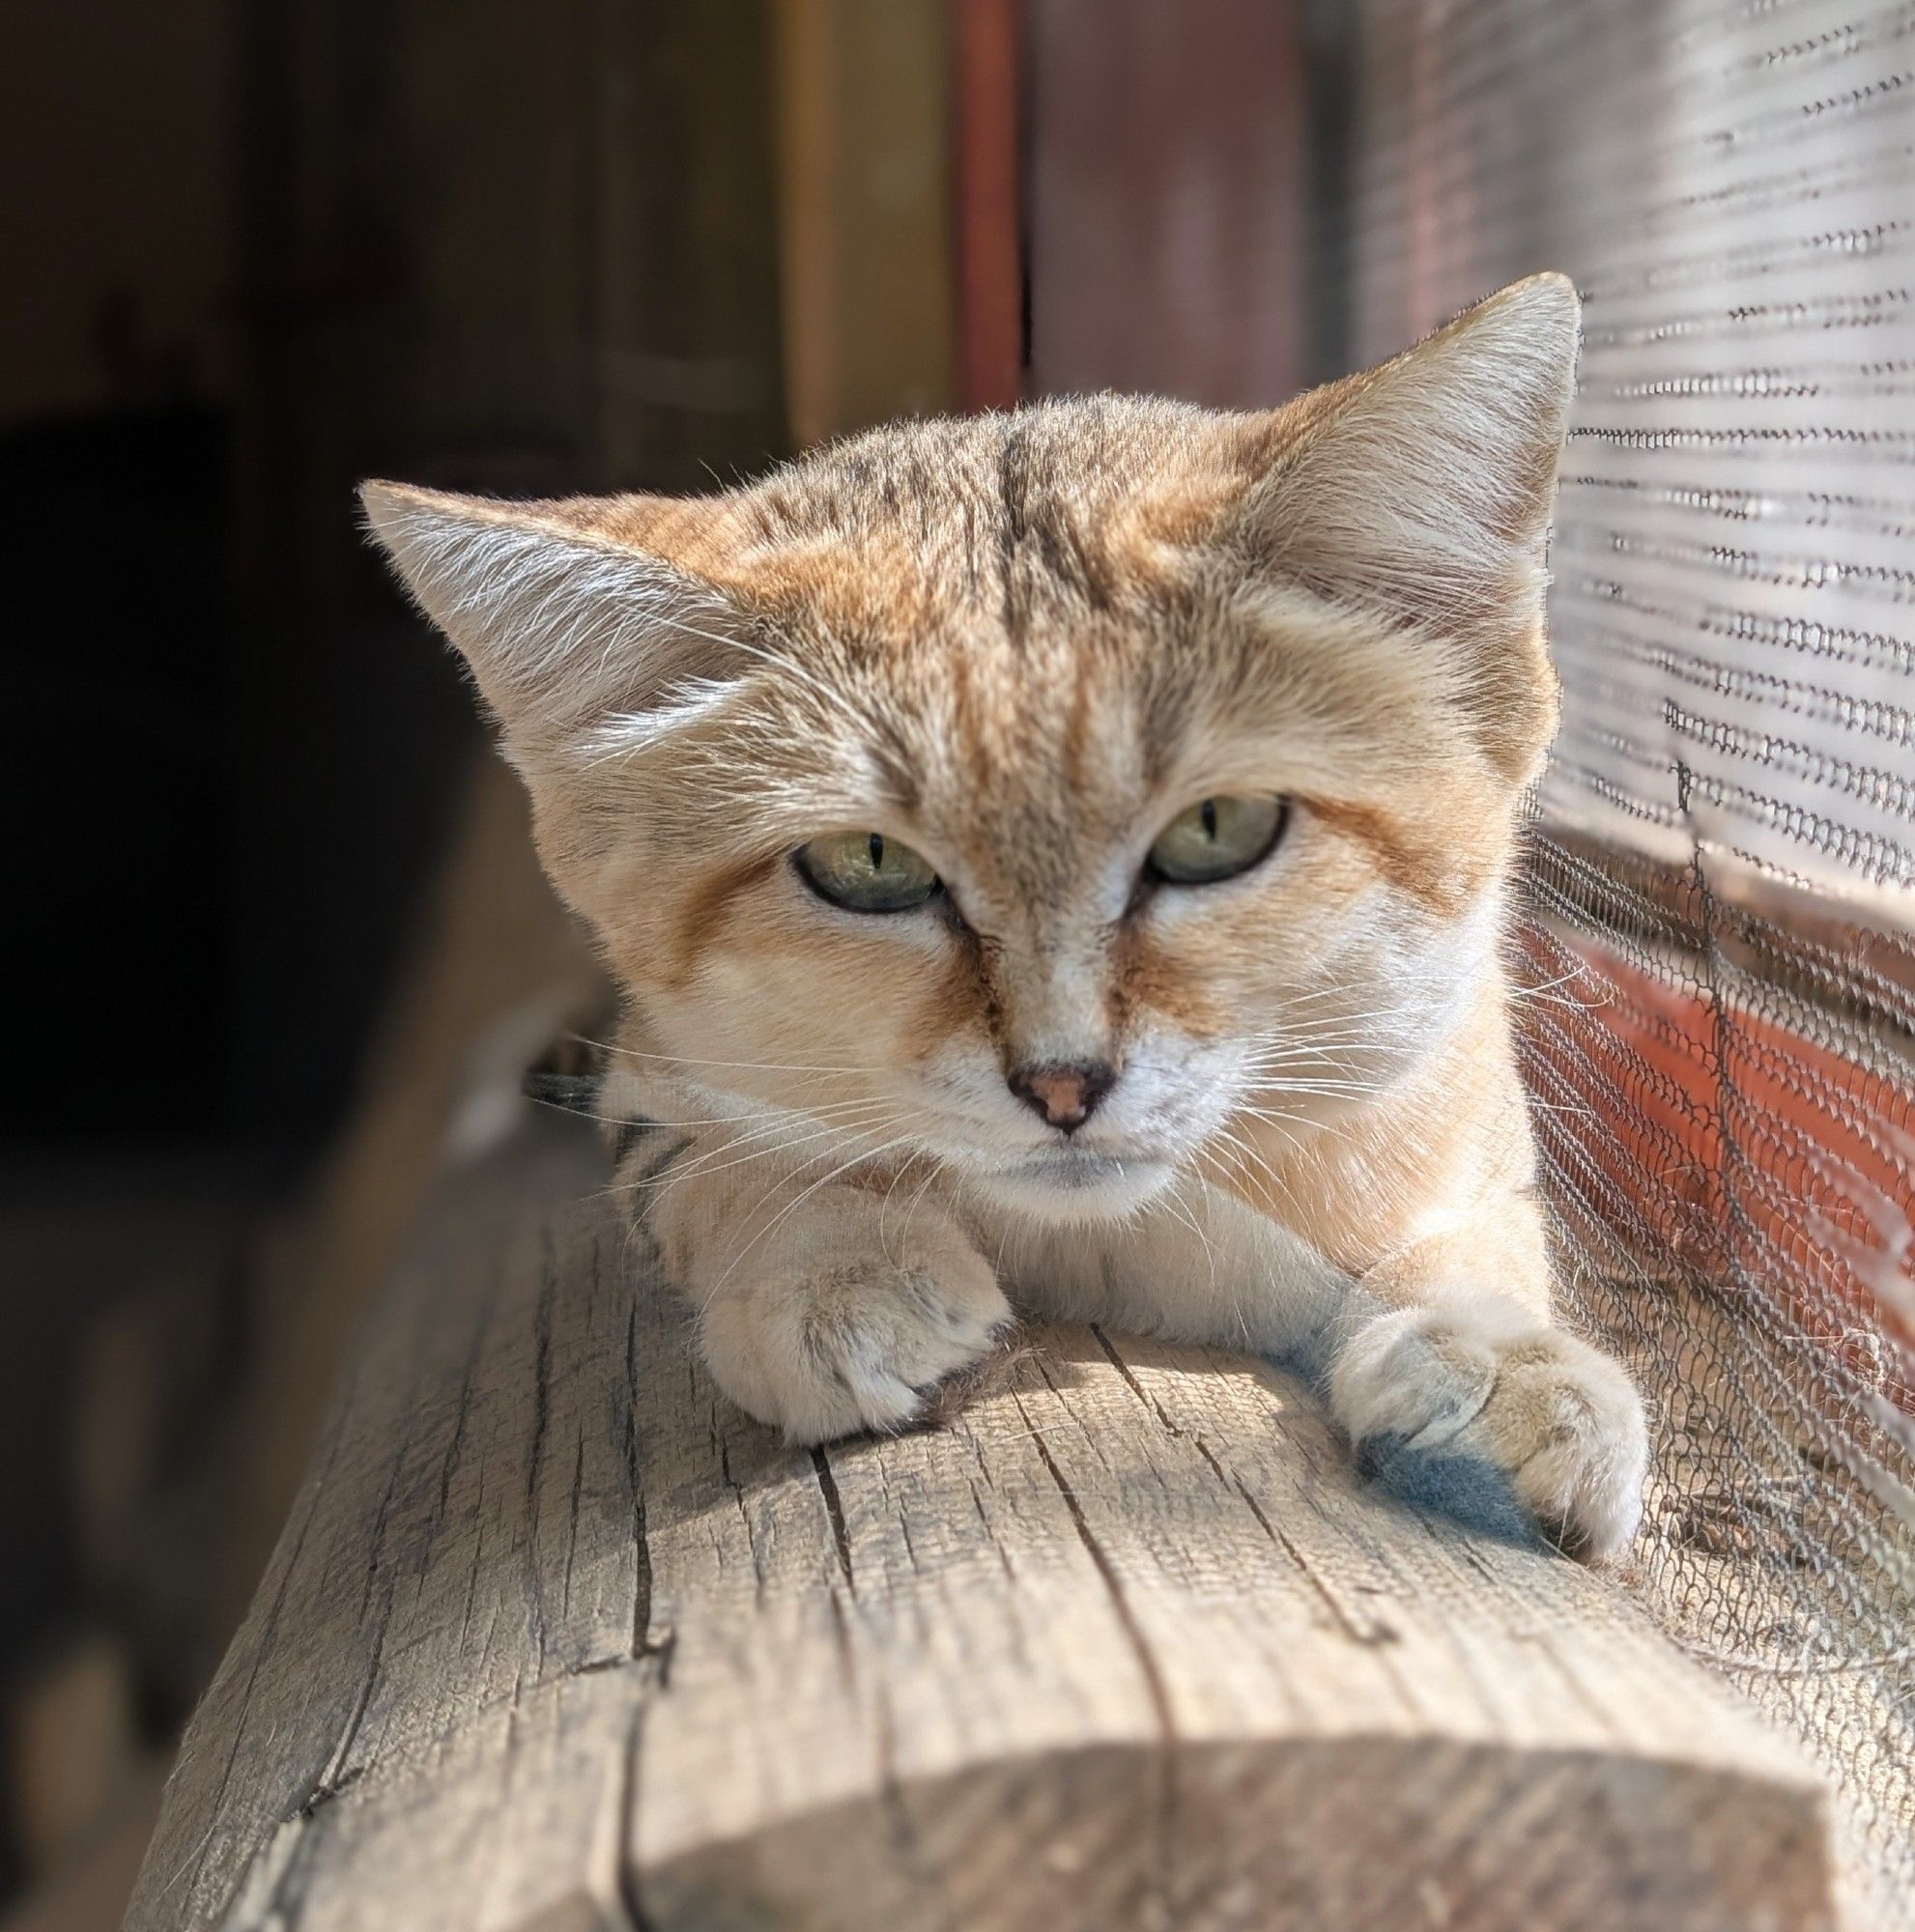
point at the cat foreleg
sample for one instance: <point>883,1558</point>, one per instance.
<point>826,1311</point>
<point>1445,1360</point>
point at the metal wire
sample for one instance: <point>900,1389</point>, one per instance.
<point>1719,908</point>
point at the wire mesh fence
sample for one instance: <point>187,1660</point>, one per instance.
<point>1719,922</point>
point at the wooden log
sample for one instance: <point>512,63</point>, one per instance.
<point>556,1638</point>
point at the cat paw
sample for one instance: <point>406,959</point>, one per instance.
<point>1463,1402</point>
<point>841,1338</point>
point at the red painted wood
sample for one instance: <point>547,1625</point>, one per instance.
<point>989,241</point>
<point>1737,1147</point>
<point>1169,183</point>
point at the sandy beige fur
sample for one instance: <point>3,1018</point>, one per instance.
<point>1022,645</point>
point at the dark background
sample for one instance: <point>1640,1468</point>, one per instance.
<point>253,253</point>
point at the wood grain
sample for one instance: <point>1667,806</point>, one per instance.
<point>556,1638</point>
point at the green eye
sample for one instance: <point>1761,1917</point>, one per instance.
<point>867,871</point>
<point>1217,840</point>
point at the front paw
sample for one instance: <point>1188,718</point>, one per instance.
<point>1432,1393</point>
<point>832,1336</point>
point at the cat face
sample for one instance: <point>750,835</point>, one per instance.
<point>1059,799</point>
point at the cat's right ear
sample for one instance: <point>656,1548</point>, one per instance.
<point>562,624</point>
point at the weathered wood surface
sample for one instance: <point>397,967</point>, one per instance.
<point>555,1639</point>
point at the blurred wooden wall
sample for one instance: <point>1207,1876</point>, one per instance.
<point>863,158</point>
<point>1169,224</point>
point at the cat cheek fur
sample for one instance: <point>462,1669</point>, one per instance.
<point>1024,642</point>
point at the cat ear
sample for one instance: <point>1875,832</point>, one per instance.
<point>1421,491</point>
<point>563,619</point>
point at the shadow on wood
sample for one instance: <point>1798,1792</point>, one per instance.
<point>556,1638</point>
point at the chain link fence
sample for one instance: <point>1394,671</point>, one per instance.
<point>1719,925</point>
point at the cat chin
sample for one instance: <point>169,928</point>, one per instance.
<point>1072,1187</point>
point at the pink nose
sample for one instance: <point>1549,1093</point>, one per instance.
<point>1067,1095</point>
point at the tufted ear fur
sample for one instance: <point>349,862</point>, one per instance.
<point>1421,492</point>
<point>564,613</point>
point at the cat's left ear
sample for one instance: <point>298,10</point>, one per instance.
<point>1421,492</point>
<point>566,611</point>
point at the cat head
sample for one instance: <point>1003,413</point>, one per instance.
<point>1057,794</point>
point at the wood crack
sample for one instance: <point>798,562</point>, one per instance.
<point>1158,1692</point>
<point>642,1639</point>
<point>536,1455</point>
<point>631,1902</point>
<point>834,1508</point>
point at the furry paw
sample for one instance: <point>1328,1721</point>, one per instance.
<point>832,1336</point>
<point>1465,1402</point>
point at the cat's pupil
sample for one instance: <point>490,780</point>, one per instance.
<point>1206,812</point>
<point>877,852</point>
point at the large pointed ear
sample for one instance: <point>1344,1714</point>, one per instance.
<point>1420,491</point>
<point>561,611</point>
